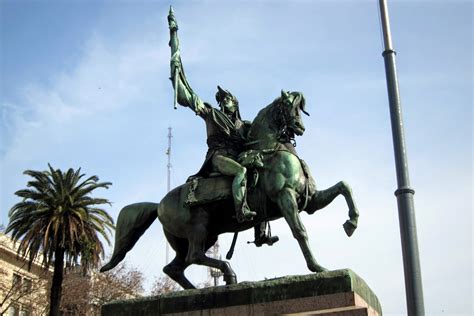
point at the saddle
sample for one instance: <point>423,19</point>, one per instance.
<point>205,190</point>
<point>215,187</point>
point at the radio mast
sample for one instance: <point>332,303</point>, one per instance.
<point>168,187</point>
<point>214,273</point>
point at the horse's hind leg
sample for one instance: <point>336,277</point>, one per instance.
<point>175,269</point>
<point>289,208</point>
<point>198,245</point>
<point>322,198</point>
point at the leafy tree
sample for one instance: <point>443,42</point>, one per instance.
<point>163,285</point>
<point>84,294</point>
<point>123,282</point>
<point>59,220</point>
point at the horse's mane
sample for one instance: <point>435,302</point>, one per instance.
<point>266,113</point>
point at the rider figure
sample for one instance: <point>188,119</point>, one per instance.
<point>226,132</point>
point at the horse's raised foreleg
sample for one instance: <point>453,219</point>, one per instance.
<point>289,208</point>
<point>199,242</point>
<point>321,199</point>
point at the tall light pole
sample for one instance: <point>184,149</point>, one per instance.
<point>404,193</point>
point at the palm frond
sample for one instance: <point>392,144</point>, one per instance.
<point>58,211</point>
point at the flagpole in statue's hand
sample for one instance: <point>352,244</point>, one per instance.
<point>183,94</point>
<point>175,59</point>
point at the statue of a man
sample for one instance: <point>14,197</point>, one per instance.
<point>226,132</point>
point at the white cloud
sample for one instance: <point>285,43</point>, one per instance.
<point>110,112</point>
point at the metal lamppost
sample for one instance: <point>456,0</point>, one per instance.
<point>404,193</point>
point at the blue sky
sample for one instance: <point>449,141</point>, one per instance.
<point>85,84</point>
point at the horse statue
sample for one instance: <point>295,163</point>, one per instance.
<point>282,187</point>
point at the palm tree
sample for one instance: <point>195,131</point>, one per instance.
<point>59,221</point>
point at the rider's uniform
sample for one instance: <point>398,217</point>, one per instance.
<point>225,136</point>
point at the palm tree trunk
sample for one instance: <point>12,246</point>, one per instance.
<point>56,286</point>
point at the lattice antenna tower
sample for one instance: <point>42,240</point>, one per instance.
<point>168,184</point>
<point>214,274</point>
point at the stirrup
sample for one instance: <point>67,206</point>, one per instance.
<point>264,237</point>
<point>247,216</point>
<point>268,240</point>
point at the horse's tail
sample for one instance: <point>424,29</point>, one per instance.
<point>132,222</point>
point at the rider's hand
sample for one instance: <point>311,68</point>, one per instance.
<point>172,23</point>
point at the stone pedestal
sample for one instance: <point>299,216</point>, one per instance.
<point>339,292</point>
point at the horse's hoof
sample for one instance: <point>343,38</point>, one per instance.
<point>230,279</point>
<point>349,228</point>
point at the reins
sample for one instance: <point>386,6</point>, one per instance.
<point>281,117</point>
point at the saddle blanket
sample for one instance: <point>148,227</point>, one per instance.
<point>205,190</point>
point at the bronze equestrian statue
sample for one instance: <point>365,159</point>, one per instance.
<point>194,214</point>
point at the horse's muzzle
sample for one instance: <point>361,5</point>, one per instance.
<point>298,129</point>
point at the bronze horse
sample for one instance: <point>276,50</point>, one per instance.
<point>284,186</point>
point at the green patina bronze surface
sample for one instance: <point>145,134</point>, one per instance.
<point>259,156</point>
<point>248,293</point>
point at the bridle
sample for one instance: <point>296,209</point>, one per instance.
<point>283,119</point>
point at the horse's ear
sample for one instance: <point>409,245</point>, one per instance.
<point>302,103</point>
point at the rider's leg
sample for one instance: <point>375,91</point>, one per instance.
<point>230,167</point>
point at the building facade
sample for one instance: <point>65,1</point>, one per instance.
<point>23,291</point>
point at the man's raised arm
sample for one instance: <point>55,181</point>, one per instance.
<point>183,94</point>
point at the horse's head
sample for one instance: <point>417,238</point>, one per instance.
<point>291,105</point>
<point>280,121</point>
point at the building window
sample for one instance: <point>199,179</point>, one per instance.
<point>25,312</point>
<point>13,311</point>
<point>16,280</point>
<point>26,285</point>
